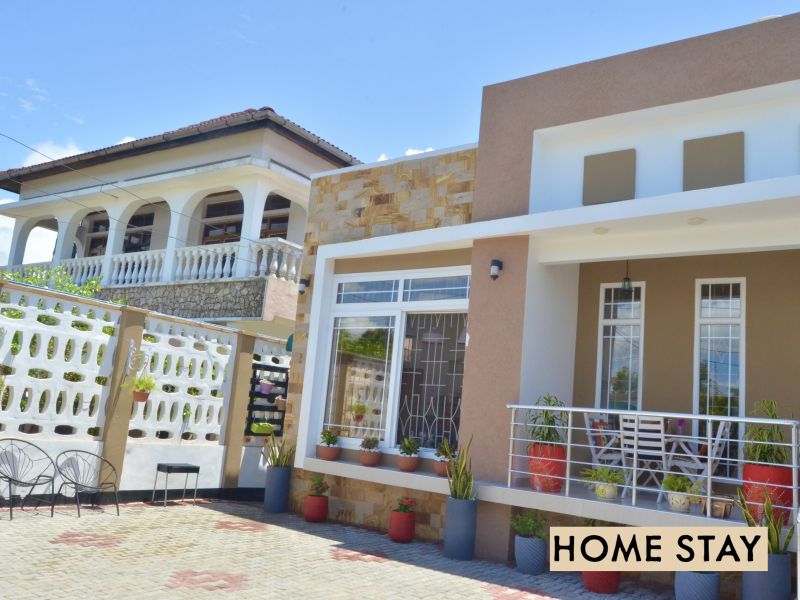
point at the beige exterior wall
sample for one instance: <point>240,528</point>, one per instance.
<point>419,260</point>
<point>745,57</point>
<point>420,193</point>
<point>772,327</point>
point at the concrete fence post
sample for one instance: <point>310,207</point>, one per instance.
<point>233,434</point>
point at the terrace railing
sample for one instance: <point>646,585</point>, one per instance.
<point>83,269</point>
<point>642,447</point>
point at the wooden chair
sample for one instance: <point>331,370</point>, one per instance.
<point>603,440</point>
<point>644,449</point>
<point>696,459</point>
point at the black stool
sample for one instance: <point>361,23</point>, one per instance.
<point>168,468</point>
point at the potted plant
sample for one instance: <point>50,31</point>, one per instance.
<point>408,460</point>
<point>265,386</point>
<point>461,512</point>
<point>720,506</point>
<point>401,521</point>
<point>279,458</point>
<point>604,480</point>
<point>370,454</point>
<point>328,447</point>
<point>681,492</point>
<point>697,585</point>
<point>442,457</point>
<point>141,388</point>
<point>765,474</point>
<point>358,411</point>
<point>547,456</point>
<point>600,582</point>
<point>530,542</point>
<point>776,582</point>
<point>315,507</point>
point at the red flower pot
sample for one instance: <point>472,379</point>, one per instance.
<point>601,582</point>
<point>548,467</point>
<point>370,459</point>
<point>408,463</point>
<point>440,467</point>
<point>315,509</point>
<point>401,527</point>
<point>140,396</point>
<point>329,452</point>
<point>358,418</point>
<point>767,481</point>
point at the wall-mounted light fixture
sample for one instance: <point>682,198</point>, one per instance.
<point>627,286</point>
<point>494,268</point>
<point>303,286</point>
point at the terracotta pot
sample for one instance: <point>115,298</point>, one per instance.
<point>548,467</point>
<point>358,418</point>
<point>315,509</point>
<point>370,459</point>
<point>329,452</point>
<point>601,582</point>
<point>140,396</point>
<point>440,467</point>
<point>767,481</point>
<point>401,527</point>
<point>408,463</point>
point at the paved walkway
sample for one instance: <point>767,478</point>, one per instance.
<point>233,550</point>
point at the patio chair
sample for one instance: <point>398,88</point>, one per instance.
<point>86,472</point>
<point>25,465</point>
<point>603,440</point>
<point>697,459</point>
<point>644,448</point>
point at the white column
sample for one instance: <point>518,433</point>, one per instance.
<point>254,195</point>
<point>19,238</point>
<point>67,231</point>
<point>179,221</point>
<point>117,222</point>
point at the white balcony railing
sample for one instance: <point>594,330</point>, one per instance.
<point>27,269</point>
<point>137,267</point>
<point>276,257</point>
<point>642,448</point>
<point>205,263</point>
<point>83,269</point>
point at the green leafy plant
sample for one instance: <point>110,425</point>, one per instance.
<point>358,409</point>
<point>318,486</point>
<point>406,505</point>
<point>54,279</point>
<point>329,438</point>
<point>459,475</point>
<point>444,451</point>
<point>143,383</point>
<point>603,474</point>
<point>370,443</point>
<point>409,447</point>
<point>764,443</point>
<point>529,524</point>
<point>278,454</point>
<point>545,423</point>
<point>262,428</point>
<point>773,520</point>
<point>673,482</point>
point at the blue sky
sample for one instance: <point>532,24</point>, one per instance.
<point>375,78</point>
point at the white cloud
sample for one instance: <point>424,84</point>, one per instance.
<point>40,246</point>
<point>76,119</point>
<point>27,105</point>
<point>383,157</point>
<point>413,151</point>
<point>52,150</point>
<point>126,139</point>
<point>34,86</point>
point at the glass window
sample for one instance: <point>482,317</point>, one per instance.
<point>367,291</point>
<point>620,348</point>
<point>432,379</point>
<point>436,288</point>
<point>358,383</point>
<point>224,209</point>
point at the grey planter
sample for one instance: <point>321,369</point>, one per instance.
<point>775,584</point>
<point>276,490</point>
<point>531,555</point>
<point>691,585</point>
<point>459,528</point>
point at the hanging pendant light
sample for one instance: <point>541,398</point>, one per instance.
<point>627,286</point>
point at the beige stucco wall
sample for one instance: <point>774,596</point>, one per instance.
<point>772,326</point>
<point>745,57</point>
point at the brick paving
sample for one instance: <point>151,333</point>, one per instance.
<point>234,550</point>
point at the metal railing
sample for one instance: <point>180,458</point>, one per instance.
<point>624,456</point>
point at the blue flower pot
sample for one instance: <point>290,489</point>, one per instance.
<point>696,585</point>
<point>461,518</point>
<point>276,491</point>
<point>530,554</point>
<point>775,583</point>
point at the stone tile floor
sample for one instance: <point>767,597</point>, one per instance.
<point>234,550</point>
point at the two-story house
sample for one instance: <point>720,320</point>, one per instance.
<point>206,221</point>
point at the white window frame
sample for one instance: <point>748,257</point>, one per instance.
<point>603,322</point>
<point>399,310</point>
<point>699,321</point>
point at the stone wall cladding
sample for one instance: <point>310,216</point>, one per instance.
<point>205,300</point>
<point>419,193</point>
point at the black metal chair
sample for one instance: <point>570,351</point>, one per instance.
<point>25,465</point>
<point>86,472</point>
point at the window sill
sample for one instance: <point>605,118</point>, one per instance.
<point>418,480</point>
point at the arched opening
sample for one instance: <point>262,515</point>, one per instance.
<point>41,242</point>
<point>275,220</point>
<point>147,229</point>
<point>217,219</point>
<point>92,235</point>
